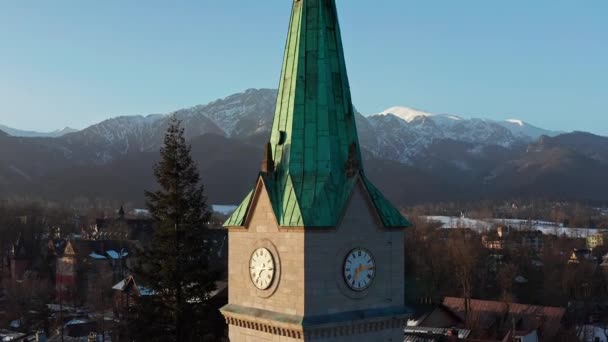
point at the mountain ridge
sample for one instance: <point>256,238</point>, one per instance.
<point>248,116</point>
<point>34,134</point>
<point>423,159</point>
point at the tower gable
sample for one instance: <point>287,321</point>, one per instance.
<point>361,226</point>
<point>261,230</point>
<point>389,216</point>
<point>69,251</point>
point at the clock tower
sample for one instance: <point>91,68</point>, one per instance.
<point>315,250</point>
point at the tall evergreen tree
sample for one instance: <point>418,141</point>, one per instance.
<point>176,268</point>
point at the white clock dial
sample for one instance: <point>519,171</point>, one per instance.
<point>359,269</point>
<point>261,268</point>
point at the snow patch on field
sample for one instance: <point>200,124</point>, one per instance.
<point>482,225</point>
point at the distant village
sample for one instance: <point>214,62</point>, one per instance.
<point>78,286</point>
<point>517,280</point>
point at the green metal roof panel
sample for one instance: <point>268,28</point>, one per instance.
<point>314,143</point>
<point>390,216</point>
<point>237,218</point>
<point>309,118</point>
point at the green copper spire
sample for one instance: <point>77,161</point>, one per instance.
<point>313,160</point>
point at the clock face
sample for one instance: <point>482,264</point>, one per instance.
<point>261,268</point>
<point>359,269</point>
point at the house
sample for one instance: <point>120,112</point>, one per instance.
<point>597,240</point>
<point>507,238</point>
<point>493,242</point>
<point>80,327</point>
<point>604,263</point>
<point>420,334</point>
<point>496,321</point>
<point>580,255</point>
<point>84,266</point>
<point>127,292</point>
<point>531,240</point>
<point>20,259</point>
<point>66,274</point>
<point>124,228</point>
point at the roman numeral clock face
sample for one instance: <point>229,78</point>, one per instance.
<point>359,269</point>
<point>262,268</point>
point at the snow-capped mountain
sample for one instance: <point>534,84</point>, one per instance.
<point>519,128</point>
<point>112,138</point>
<point>32,134</point>
<point>399,133</point>
<point>525,130</point>
<point>241,115</point>
<point>403,134</point>
<point>415,155</point>
<point>405,113</point>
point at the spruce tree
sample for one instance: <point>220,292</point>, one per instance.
<point>175,267</point>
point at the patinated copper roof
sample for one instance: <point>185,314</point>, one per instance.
<point>314,143</point>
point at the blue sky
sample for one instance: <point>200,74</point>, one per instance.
<point>74,63</point>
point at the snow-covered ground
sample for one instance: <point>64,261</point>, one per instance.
<point>461,222</point>
<point>223,209</point>
<point>548,228</point>
<point>593,333</point>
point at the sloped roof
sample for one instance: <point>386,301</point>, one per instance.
<point>96,249</point>
<point>117,255</point>
<point>238,216</point>
<point>530,316</point>
<point>388,214</point>
<point>128,283</point>
<point>314,147</point>
<point>417,334</point>
<point>97,256</point>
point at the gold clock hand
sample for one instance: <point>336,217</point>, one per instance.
<point>358,271</point>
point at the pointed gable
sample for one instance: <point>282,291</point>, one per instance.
<point>69,250</point>
<point>239,215</point>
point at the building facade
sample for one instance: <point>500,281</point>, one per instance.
<point>19,260</point>
<point>315,250</point>
<point>597,240</point>
<point>66,275</point>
